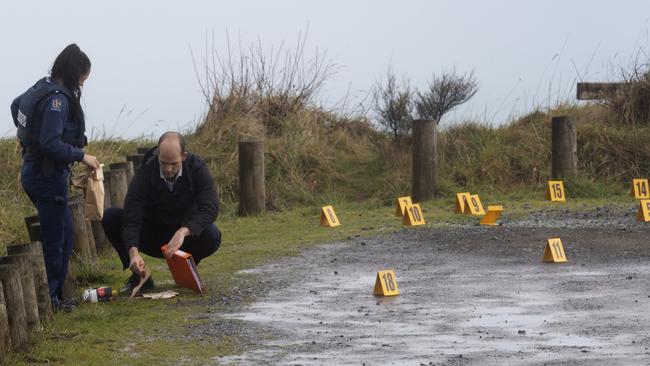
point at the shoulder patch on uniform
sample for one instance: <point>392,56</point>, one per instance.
<point>56,105</point>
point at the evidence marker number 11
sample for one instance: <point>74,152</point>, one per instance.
<point>554,251</point>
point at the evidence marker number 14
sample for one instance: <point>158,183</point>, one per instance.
<point>640,189</point>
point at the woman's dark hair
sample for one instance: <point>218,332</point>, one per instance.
<point>70,65</point>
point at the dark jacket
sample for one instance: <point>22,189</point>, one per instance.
<point>193,203</point>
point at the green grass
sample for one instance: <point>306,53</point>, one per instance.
<point>144,332</point>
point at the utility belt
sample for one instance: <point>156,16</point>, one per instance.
<point>47,164</point>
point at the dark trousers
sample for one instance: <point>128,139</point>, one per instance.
<point>155,235</point>
<point>50,196</point>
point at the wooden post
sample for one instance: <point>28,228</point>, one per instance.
<point>144,149</point>
<point>107,193</point>
<point>117,184</point>
<point>35,236</point>
<point>35,252</point>
<point>101,241</point>
<point>564,162</point>
<point>135,159</point>
<point>70,284</point>
<point>33,227</point>
<point>91,239</point>
<point>34,231</point>
<point>127,166</point>
<point>13,295</point>
<point>23,262</point>
<point>5,337</point>
<point>81,244</point>
<point>425,142</point>
<point>252,195</point>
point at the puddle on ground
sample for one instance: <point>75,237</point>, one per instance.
<point>490,317</point>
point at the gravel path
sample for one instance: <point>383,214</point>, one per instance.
<point>470,295</point>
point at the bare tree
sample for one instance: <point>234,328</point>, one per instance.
<point>394,106</point>
<point>630,99</point>
<point>267,84</point>
<point>444,93</point>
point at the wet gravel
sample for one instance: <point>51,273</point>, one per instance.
<point>470,295</point>
<point>611,217</point>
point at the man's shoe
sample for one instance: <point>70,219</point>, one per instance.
<point>70,302</point>
<point>58,306</point>
<point>132,282</point>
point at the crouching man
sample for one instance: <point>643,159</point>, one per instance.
<point>171,200</point>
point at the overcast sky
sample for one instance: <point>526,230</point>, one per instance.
<point>523,53</point>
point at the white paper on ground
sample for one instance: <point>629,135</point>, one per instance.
<point>160,295</point>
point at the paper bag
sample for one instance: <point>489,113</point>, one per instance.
<point>92,185</point>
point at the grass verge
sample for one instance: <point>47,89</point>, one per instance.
<point>142,332</point>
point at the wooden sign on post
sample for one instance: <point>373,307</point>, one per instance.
<point>640,189</point>
<point>493,214</point>
<point>475,206</point>
<point>400,205</point>
<point>462,200</point>
<point>555,191</point>
<point>413,216</point>
<point>386,284</point>
<point>554,251</point>
<point>644,211</point>
<point>328,217</point>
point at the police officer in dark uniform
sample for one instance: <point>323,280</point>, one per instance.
<point>51,128</point>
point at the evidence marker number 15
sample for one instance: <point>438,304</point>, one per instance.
<point>555,191</point>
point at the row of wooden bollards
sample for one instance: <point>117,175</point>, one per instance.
<point>89,237</point>
<point>25,304</point>
<point>425,162</point>
<point>564,154</point>
<point>24,296</point>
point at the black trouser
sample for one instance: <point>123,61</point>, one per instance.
<point>155,235</point>
<point>50,196</point>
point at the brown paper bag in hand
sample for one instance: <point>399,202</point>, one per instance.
<point>91,183</point>
<point>94,195</point>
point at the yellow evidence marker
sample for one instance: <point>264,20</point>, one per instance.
<point>493,214</point>
<point>555,191</point>
<point>462,200</point>
<point>644,211</point>
<point>475,206</point>
<point>640,189</point>
<point>328,217</point>
<point>413,216</point>
<point>400,205</point>
<point>554,251</point>
<point>386,284</point>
